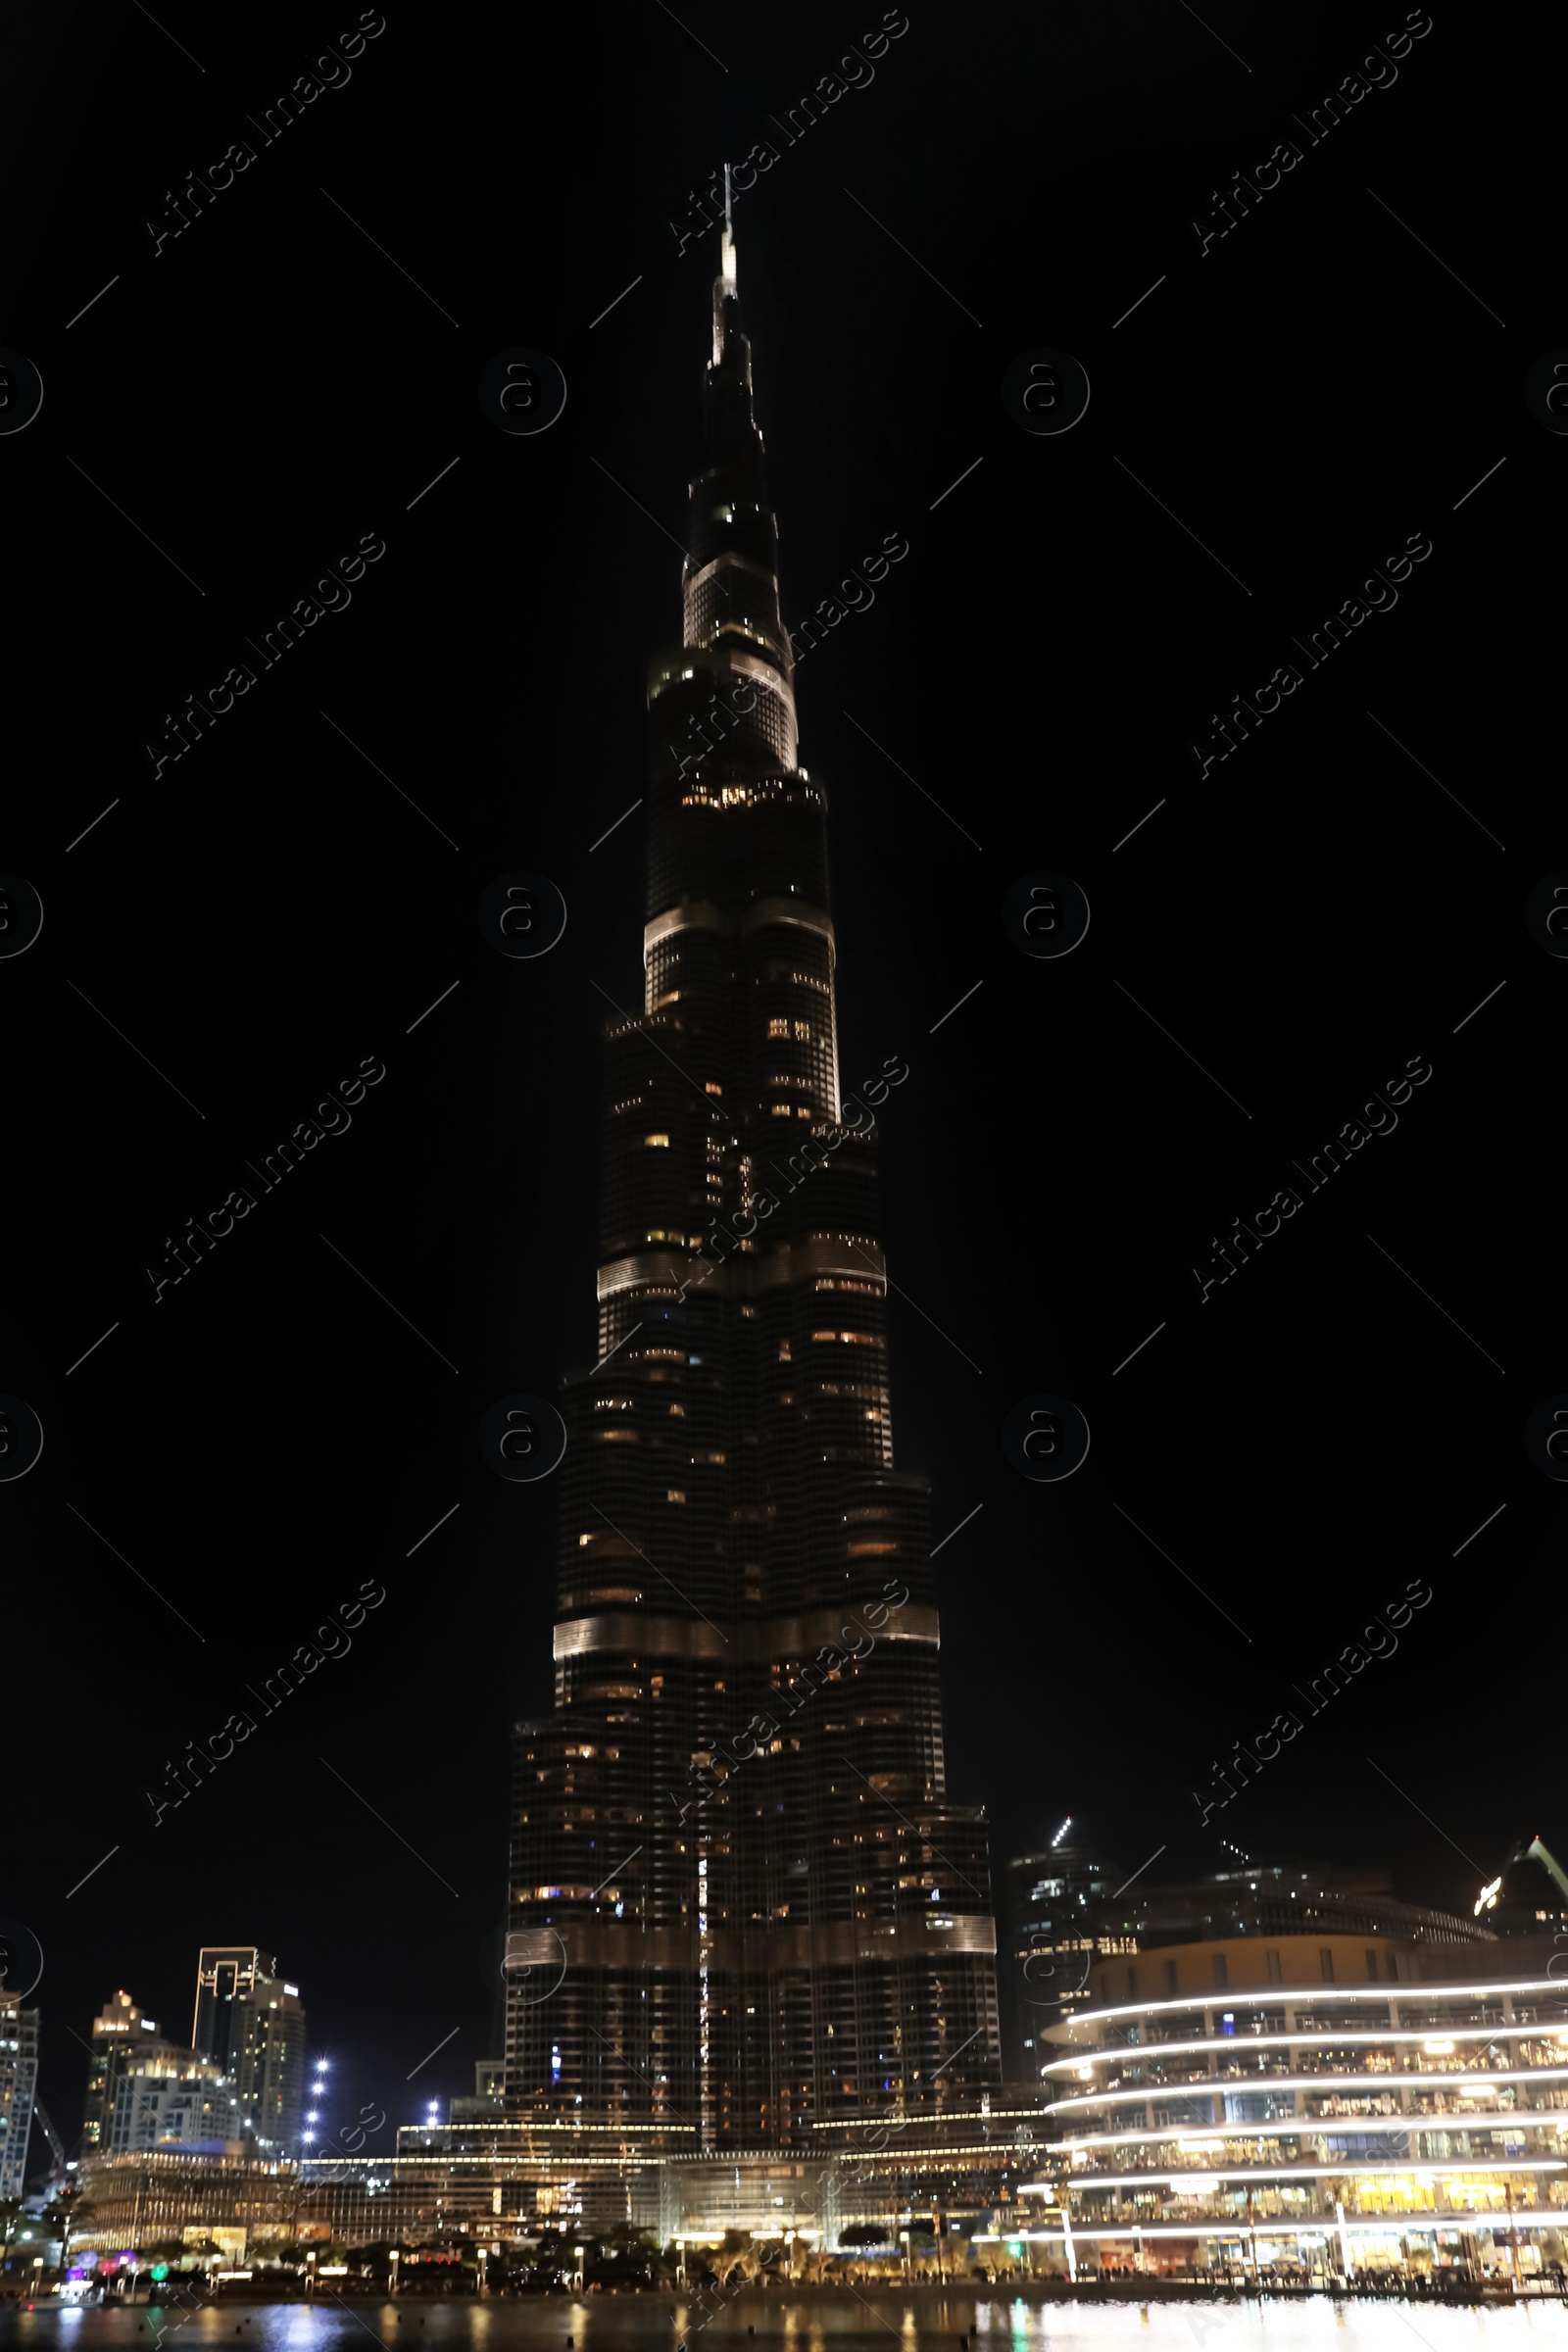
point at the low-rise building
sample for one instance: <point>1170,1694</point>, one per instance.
<point>152,2195</point>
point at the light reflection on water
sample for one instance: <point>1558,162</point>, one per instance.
<point>836,2321</point>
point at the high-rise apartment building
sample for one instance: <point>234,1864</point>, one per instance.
<point>121,2035</point>
<point>18,2085</point>
<point>145,2091</point>
<point>168,2097</point>
<point>252,2025</point>
<point>742,1904</point>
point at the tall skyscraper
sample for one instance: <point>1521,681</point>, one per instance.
<point>742,1902</point>
<point>252,2025</point>
<point>18,2085</point>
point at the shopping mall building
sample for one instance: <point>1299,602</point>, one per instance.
<point>1309,2104</point>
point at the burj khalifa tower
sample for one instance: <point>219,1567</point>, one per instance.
<point>741,1904</point>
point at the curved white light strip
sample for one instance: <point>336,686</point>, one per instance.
<point>1305,1995</point>
<point>1506,2030</point>
<point>1322,2225</point>
<point>1466,2169</point>
<point>1251,2086</point>
<point>1325,2126</point>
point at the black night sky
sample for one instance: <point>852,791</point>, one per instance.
<point>1317,910</point>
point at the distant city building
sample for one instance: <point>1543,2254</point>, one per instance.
<point>120,2032</point>
<point>252,2025</point>
<point>18,2085</point>
<point>1055,1908</point>
<point>171,2097</point>
<point>1308,2103</point>
<point>1529,1895</point>
<point>1268,1901</point>
<point>489,2093</point>
<point>1078,1931</point>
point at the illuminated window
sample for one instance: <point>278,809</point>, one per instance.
<point>659,1143</point>
<point>674,1494</point>
<point>778,1028</point>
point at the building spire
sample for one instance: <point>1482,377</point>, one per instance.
<point>724,286</point>
<point>726,247</point>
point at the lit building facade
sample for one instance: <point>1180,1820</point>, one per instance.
<point>121,2035</point>
<point>148,2196</point>
<point>518,2178</point>
<point>18,2085</point>
<point>159,2099</point>
<point>741,1896</point>
<point>1313,2102</point>
<point>251,2024</point>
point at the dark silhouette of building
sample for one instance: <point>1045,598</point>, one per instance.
<point>742,1902</point>
<point>1080,1931</point>
<point>1055,1905</point>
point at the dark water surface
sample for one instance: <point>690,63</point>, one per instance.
<point>835,2321</point>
